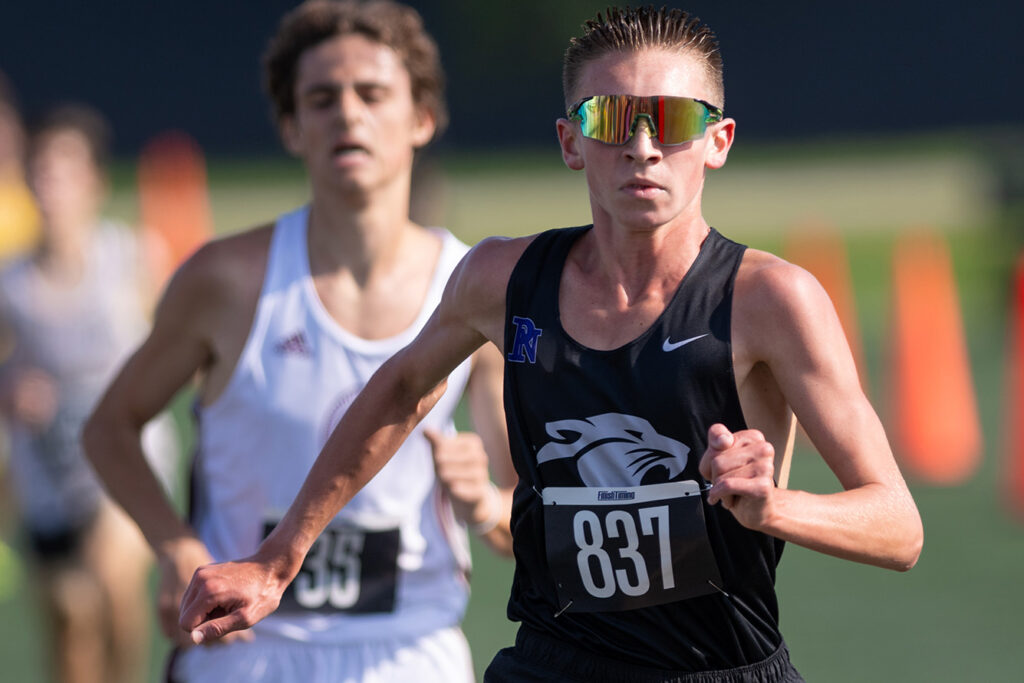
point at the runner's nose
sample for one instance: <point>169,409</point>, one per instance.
<point>643,147</point>
<point>644,121</point>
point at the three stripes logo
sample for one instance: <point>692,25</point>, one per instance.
<point>294,344</point>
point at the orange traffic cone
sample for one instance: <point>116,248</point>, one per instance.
<point>1013,461</point>
<point>937,430</point>
<point>173,201</point>
<point>819,248</point>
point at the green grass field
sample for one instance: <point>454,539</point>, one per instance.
<point>954,617</point>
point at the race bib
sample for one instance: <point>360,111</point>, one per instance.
<point>620,548</point>
<point>348,569</point>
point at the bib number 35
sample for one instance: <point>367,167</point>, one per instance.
<point>330,574</point>
<point>347,569</point>
<point>618,549</point>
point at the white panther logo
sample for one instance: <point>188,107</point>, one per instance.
<point>615,450</point>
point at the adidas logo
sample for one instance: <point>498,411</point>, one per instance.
<point>296,343</point>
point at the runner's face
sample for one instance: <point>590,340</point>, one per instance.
<point>643,184</point>
<point>355,123</point>
<point>68,187</point>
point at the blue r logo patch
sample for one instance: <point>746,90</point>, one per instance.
<point>524,345</point>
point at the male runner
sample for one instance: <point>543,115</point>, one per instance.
<point>71,310</point>
<point>652,369</point>
<point>285,324</point>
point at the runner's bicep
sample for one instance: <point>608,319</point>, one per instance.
<point>175,349</point>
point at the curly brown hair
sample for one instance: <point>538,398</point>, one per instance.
<point>397,26</point>
<point>630,30</point>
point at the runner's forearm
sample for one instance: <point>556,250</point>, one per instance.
<point>115,451</point>
<point>873,524</point>
<point>369,434</point>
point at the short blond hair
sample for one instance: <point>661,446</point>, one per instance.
<point>631,30</point>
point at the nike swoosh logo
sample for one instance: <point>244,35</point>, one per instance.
<point>672,346</point>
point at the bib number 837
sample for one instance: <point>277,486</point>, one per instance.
<point>597,572</point>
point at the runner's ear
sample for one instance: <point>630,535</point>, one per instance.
<point>290,136</point>
<point>569,139</point>
<point>424,129</point>
<point>720,141</point>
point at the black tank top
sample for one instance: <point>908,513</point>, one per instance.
<point>612,426</point>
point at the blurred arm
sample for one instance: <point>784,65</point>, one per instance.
<point>179,345</point>
<point>465,463</point>
<point>486,404</point>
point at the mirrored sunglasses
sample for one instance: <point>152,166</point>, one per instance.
<point>671,120</point>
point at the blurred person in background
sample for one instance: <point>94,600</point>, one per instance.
<point>284,324</point>
<point>19,220</point>
<point>70,312</point>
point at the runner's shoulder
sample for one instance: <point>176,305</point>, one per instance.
<point>224,271</point>
<point>776,304</point>
<point>766,282</point>
<point>491,261</point>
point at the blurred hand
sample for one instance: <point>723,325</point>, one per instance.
<point>741,469</point>
<point>229,597</point>
<point>33,397</point>
<point>178,562</point>
<point>461,466</point>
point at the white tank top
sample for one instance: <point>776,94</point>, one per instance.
<point>78,335</point>
<point>393,563</point>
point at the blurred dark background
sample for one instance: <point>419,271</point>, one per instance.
<point>800,69</point>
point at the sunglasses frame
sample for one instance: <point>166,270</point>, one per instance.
<point>713,115</point>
